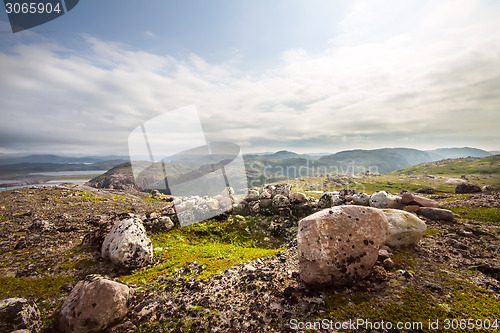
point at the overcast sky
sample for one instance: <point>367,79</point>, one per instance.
<point>307,76</point>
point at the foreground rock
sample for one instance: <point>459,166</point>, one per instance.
<point>19,314</point>
<point>405,229</point>
<point>127,244</point>
<point>94,304</point>
<point>340,244</point>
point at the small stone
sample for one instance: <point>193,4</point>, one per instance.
<point>388,263</point>
<point>298,198</point>
<point>383,254</point>
<point>410,199</point>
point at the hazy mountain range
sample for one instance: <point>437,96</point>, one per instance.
<point>275,166</point>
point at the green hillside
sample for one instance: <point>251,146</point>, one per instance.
<point>461,166</point>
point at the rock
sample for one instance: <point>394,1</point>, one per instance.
<point>412,208</point>
<point>467,188</point>
<point>361,199</point>
<point>388,263</point>
<point>488,188</point>
<point>437,214</point>
<point>383,254</point>
<point>455,181</point>
<point>160,224</point>
<point>19,314</point>
<point>126,327</point>
<point>93,305</point>
<point>280,201</point>
<point>330,199</point>
<point>340,244</point>
<point>255,208</point>
<point>241,209</point>
<point>382,200</point>
<point>155,194</point>
<point>426,190</point>
<point>265,194</point>
<point>266,203</point>
<point>298,198</point>
<point>127,244</point>
<point>252,195</point>
<point>457,244</point>
<point>212,204</point>
<point>405,229</point>
<point>410,199</point>
<point>41,226</point>
<point>282,189</point>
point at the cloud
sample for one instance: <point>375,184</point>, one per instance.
<point>383,80</point>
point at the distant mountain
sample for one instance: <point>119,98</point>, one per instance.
<point>460,152</point>
<point>10,159</point>
<point>494,152</point>
<point>456,167</point>
<point>356,161</point>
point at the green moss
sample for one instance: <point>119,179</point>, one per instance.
<point>482,214</point>
<point>177,249</point>
<point>431,232</point>
<point>416,306</point>
<point>44,287</point>
<point>404,260</point>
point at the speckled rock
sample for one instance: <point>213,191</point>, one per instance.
<point>361,199</point>
<point>19,314</point>
<point>340,244</point>
<point>127,244</point>
<point>280,201</point>
<point>252,195</point>
<point>405,229</point>
<point>93,305</point>
<point>330,199</point>
<point>383,200</point>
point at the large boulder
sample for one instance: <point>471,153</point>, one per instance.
<point>340,244</point>
<point>467,188</point>
<point>19,314</point>
<point>405,229</point>
<point>382,200</point>
<point>93,305</point>
<point>127,244</point>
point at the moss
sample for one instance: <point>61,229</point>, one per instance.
<point>431,232</point>
<point>179,249</point>
<point>482,214</point>
<point>404,260</point>
<point>44,287</point>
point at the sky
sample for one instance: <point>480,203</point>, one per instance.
<point>305,76</point>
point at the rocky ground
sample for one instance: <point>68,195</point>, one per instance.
<point>453,272</point>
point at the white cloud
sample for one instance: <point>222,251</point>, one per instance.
<point>382,81</point>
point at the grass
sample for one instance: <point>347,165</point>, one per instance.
<point>482,214</point>
<point>462,166</point>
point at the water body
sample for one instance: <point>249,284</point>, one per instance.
<point>54,182</point>
<point>69,173</point>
